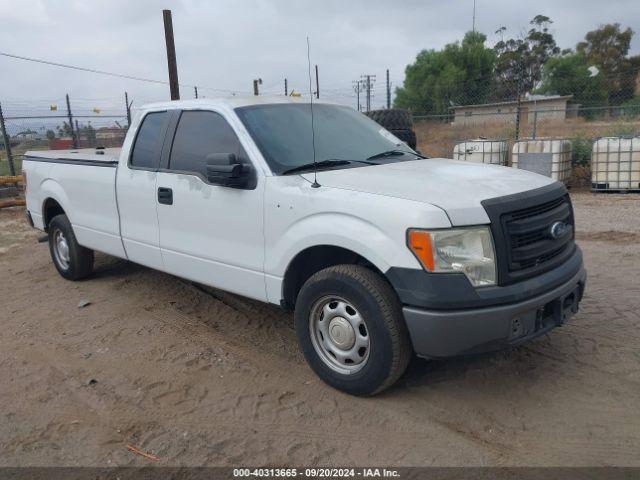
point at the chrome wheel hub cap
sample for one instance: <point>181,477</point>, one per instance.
<point>339,334</point>
<point>61,249</point>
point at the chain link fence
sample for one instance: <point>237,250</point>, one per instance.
<point>503,125</point>
<point>491,128</point>
<point>54,124</point>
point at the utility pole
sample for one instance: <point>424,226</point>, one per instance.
<point>388,91</point>
<point>473,28</point>
<point>368,79</point>
<point>171,55</point>
<point>128,107</point>
<point>195,91</point>
<point>356,88</point>
<point>74,138</point>
<point>7,145</point>
<point>317,84</point>
<point>78,131</point>
<point>368,93</point>
<point>256,82</point>
<point>286,91</point>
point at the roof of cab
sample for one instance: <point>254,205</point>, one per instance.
<point>232,102</point>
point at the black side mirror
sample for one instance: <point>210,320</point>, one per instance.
<point>225,169</point>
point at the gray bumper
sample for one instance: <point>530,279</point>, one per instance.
<point>445,333</point>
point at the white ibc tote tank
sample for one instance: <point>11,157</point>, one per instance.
<point>482,150</point>
<point>615,163</point>
<point>547,156</point>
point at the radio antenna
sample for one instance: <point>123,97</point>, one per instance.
<point>315,183</point>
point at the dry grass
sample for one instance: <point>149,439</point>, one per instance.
<point>437,139</point>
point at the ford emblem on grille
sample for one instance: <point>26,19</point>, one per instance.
<point>558,229</point>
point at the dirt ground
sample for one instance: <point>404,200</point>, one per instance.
<point>200,377</point>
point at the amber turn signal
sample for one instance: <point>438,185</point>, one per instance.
<point>419,242</point>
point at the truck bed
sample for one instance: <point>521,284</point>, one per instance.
<point>85,192</point>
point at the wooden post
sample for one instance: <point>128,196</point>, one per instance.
<point>171,55</point>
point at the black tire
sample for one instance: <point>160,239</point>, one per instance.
<point>407,136</point>
<point>392,119</point>
<point>80,259</point>
<point>390,347</point>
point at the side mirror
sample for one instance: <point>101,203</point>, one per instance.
<point>224,169</point>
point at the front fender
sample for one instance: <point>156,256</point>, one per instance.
<point>345,231</point>
<point>298,216</point>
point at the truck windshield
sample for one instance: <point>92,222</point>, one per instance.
<point>283,135</point>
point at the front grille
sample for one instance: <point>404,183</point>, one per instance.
<point>537,209</point>
<point>528,233</point>
<point>521,225</point>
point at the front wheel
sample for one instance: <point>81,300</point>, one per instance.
<point>72,260</point>
<point>351,330</point>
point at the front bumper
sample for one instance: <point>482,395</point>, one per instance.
<point>445,333</point>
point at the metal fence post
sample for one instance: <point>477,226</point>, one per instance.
<point>519,105</point>
<point>128,106</point>
<point>7,145</point>
<point>74,138</point>
<point>535,124</point>
<point>388,91</point>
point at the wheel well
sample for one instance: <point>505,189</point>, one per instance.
<point>50,209</point>
<point>312,260</point>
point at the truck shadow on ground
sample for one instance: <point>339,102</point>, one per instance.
<point>428,372</point>
<point>271,324</point>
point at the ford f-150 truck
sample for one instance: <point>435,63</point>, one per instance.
<point>381,252</point>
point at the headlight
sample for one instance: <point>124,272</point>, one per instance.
<point>466,250</point>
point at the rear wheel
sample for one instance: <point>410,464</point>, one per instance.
<point>351,330</point>
<point>72,260</point>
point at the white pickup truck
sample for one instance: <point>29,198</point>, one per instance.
<point>381,252</point>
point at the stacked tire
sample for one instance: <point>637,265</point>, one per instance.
<point>397,121</point>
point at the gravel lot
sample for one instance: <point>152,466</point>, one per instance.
<point>196,376</point>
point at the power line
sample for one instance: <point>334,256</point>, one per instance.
<point>101,72</point>
<point>84,69</point>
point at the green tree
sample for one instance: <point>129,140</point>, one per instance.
<point>632,106</point>
<point>521,59</point>
<point>458,74</point>
<point>607,48</point>
<point>89,133</point>
<point>570,75</point>
<point>64,130</point>
<point>51,134</point>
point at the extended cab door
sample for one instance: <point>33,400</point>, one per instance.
<point>209,233</point>
<point>136,191</point>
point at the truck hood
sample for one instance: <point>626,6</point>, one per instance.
<point>455,186</point>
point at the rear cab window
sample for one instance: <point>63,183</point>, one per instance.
<point>147,147</point>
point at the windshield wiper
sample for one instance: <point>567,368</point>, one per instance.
<point>394,153</point>
<point>312,165</point>
<point>331,162</point>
